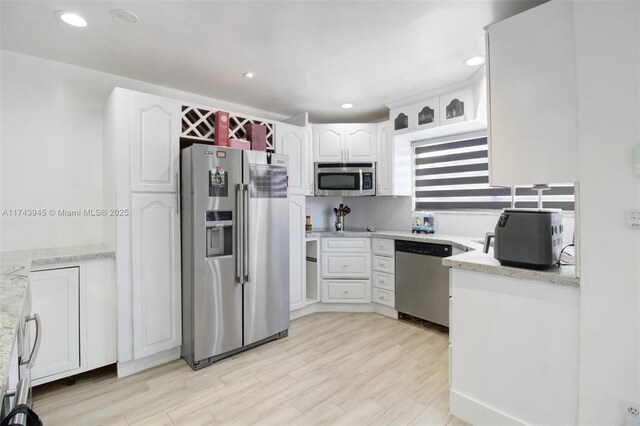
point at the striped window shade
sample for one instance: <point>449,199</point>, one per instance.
<point>454,174</point>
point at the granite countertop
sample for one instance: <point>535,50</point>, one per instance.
<point>472,260</point>
<point>14,280</point>
<point>459,242</point>
<point>485,262</point>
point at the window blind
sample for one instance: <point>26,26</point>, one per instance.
<point>454,175</point>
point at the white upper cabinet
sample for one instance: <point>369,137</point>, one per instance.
<point>360,142</point>
<point>155,143</point>
<point>384,169</point>
<point>343,143</point>
<point>328,143</point>
<point>434,112</point>
<point>426,114</point>
<point>393,170</point>
<point>402,119</point>
<point>295,142</point>
<point>533,97</point>
<point>155,245</point>
<point>456,107</point>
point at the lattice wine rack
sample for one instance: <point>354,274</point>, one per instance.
<point>198,123</point>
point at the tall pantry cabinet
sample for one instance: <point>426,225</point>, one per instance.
<point>142,184</point>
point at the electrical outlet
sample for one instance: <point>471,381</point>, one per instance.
<point>631,411</point>
<point>634,219</point>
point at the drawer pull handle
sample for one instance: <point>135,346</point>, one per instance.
<point>346,292</point>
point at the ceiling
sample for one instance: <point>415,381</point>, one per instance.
<point>308,55</point>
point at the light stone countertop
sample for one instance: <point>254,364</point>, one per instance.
<point>14,280</point>
<point>460,242</point>
<point>472,260</point>
<point>481,262</point>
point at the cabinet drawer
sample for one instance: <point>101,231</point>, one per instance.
<point>384,264</point>
<point>353,265</point>
<point>346,291</point>
<point>384,281</point>
<point>384,297</point>
<point>384,247</point>
<point>346,245</point>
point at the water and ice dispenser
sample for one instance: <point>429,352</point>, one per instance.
<point>219,228</point>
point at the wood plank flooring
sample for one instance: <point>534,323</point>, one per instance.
<point>333,369</point>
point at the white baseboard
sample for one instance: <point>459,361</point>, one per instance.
<point>477,413</point>
<point>386,311</point>
<point>131,367</point>
<point>344,307</point>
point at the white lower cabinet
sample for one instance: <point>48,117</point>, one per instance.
<point>346,270</point>
<point>77,309</point>
<point>384,281</point>
<point>384,297</point>
<point>155,268</point>
<point>384,267</point>
<point>346,291</point>
<point>56,298</point>
<point>346,265</point>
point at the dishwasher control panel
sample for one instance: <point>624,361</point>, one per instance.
<point>427,249</point>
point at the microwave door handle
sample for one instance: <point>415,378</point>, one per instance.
<point>360,171</point>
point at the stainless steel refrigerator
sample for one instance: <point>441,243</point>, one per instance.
<point>235,251</point>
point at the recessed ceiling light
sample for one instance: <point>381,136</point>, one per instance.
<point>72,18</point>
<point>346,106</point>
<point>125,16</point>
<point>475,60</point>
<point>250,74</point>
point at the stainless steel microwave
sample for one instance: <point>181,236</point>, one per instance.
<point>345,179</point>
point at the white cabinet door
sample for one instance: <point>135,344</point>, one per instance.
<point>384,264</point>
<point>346,245</point>
<point>384,247</point>
<point>291,141</point>
<point>384,297</point>
<point>155,244</point>
<point>351,265</point>
<point>309,170</point>
<point>155,143</point>
<point>384,168</point>
<point>456,107</point>
<point>360,142</point>
<point>426,114</point>
<point>346,291</point>
<point>297,249</point>
<point>533,126</point>
<point>402,119</point>
<point>328,143</point>
<point>100,319</point>
<point>56,298</point>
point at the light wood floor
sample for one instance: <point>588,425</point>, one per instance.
<point>334,368</point>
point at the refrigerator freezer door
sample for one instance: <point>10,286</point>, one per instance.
<point>266,289</point>
<point>217,295</point>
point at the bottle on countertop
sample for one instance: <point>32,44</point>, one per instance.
<point>308,227</point>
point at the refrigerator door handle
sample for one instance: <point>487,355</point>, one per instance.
<point>238,223</point>
<point>245,234</point>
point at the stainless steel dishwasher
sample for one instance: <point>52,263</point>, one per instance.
<point>422,283</point>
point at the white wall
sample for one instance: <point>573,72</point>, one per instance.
<point>51,152</point>
<point>608,71</point>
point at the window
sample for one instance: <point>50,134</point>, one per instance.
<point>453,173</point>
